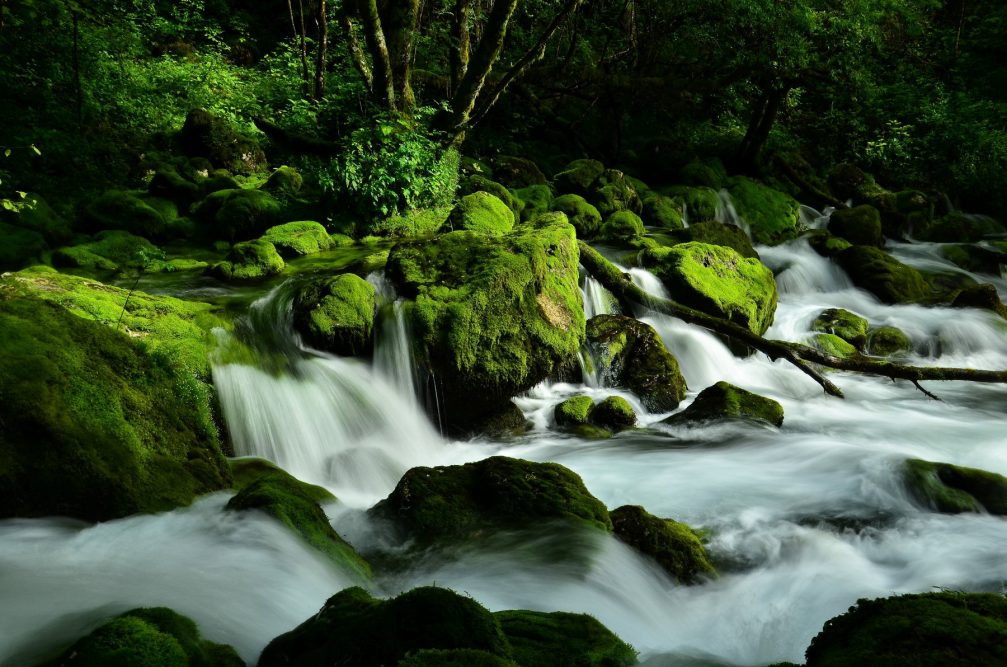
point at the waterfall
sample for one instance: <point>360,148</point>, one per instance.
<point>726,214</point>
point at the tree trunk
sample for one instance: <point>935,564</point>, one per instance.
<point>78,88</point>
<point>356,52</point>
<point>374,33</point>
<point>460,54</point>
<point>763,117</point>
<point>399,20</point>
<point>305,77</point>
<point>321,58</point>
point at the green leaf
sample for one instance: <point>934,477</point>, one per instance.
<point>6,152</point>
<point>35,148</point>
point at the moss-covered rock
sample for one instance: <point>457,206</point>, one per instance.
<point>126,211</point>
<point>773,216</point>
<point>675,546</point>
<point>482,213</point>
<point>661,211</point>
<point>953,489</point>
<point>832,345</point>
<point>574,411</point>
<point>825,244</point>
<point>207,136</point>
<point>850,327</point>
<point>19,247</point>
<point>630,355</point>
<point>613,191</point>
<point>354,629</point>
<point>463,657</point>
<point>283,182</point>
<point>410,224</point>
<point>169,184</point>
<point>247,470</point>
<point>219,179</point>
<point>477,183</point>
<point>34,214</point>
<point>984,296</point>
<point>294,239</point>
<point>239,214</point>
<point>561,639</point>
<point>884,276</point>
<point>699,203</point>
<point>613,413</point>
<point>888,341</point>
<point>704,173</point>
<point>583,216</point>
<point>109,251</point>
<point>860,225</point>
<point>493,316</point>
<point>717,233</point>
<point>979,259</point>
<point>535,200</point>
<point>718,281</point>
<point>148,637</point>
<point>726,401</point>
<point>337,314</point>
<point>250,260</point>
<point>578,177</point>
<point>959,227</point>
<point>622,225</point>
<point>848,181</point>
<point>126,423</point>
<point>517,172</point>
<point>457,502</point>
<point>928,630</point>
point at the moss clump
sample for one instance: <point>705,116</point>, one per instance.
<point>19,247</point>
<point>517,172</point>
<point>238,214</point>
<point>109,251</point>
<point>294,239</point>
<point>171,185</point>
<point>207,136</point>
<point>354,629</point>
<point>717,233</point>
<point>218,180</point>
<point>493,316</point>
<point>614,413</point>
<point>773,216</point>
<point>474,184</point>
<point>726,401</point>
<point>583,216</point>
<point>622,225</point>
<point>125,429</point>
<point>630,355</point>
<point>464,657</point>
<point>283,182</point>
<point>706,173</point>
<point>888,341</point>
<point>926,630</point>
<point>612,191</point>
<point>419,222</point>
<point>675,546</point>
<point>148,637</point>
<point>954,489</point>
<point>482,213</point>
<point>850,327</point>
<point>250,260</point>
<point>126,211</point>
<point>718,281</point>
<point>832,345</point>
<point>661,211</point>
<point>34,214</point>
<point>984,296</point>
<point>860,225</point>
<point>578,176</point>
<point>246,471</point>
<point>535,200</point>
<point>825,244</point>
<point>295,505</point>
<point>574,411</point>
<point>457,502</point>
<point>337,314</point>
<point>562,639</point>
<point>884,276</point>
<point>698,203</point>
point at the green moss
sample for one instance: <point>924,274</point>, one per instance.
<point>298,238</point>
<point>953,489</point>
<point>975,258</point>
<point>37,216</point>
<point>927,630</point>
<point>207,136</point>
<point>629,354</point>
<point>612,191</point>
<point>888,341</point>
<point>19,247</point>
<point>337,314</point>
<point>109,251</point>
<point>833,345</point>
<point>622,225</point>
<point>250,260</point>
<point>958,227</point>
<point>578,176</point>
<point>573,411</point>
<point>699,203</point>
<point>881,274</point>
<point>355,630</point>
<point>238,214</point>
<point>283,182</point>
<point>420,222</point>
<point>583,216</point>
<point>535,200</point>
<point>465,657</point>
<point>718,281</point>
<point>126,211</point>
<point>717,233</point>
<point>772,216</point>
<point>661,211</point>
<point>825,244</point>
<point>477,183</point>
<point>860,225</point>
<point>614,413</point>
<point>171,185</point>
<point>247,470</point>
<point>708,173</point>
<point>726,401</point>
<point>675,546</point>
<point>174,265</point>
<point>517,172</point>
<point>482,213</point>
<point>457,502</point>
<point>217,181</point>
<point>984,296</point>
<point>850,327</point>
<point>561,639</point>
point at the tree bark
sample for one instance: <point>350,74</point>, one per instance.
<point>801,356</point>
<point>399,20</point>
<point>305,77</point>
<point>321,58</point>
<point>763,118</point>
<point>356,52</point>
<point>374,33</point>
<point>460,54</point>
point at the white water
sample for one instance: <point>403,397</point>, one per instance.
<point>804,519</point>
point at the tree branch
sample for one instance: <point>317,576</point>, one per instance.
<point>356,52</point>
<point>374,34</point>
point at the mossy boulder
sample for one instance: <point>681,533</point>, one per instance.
<point>239,214</point>
<point>498,493</point>
<point>207,136</point>
<point>148,637</point>
<point>959,227</point>
<point>219,179</point>
<point>295,505</point>
<point>888,341</point>
<point>954,489</point>
<point>884,276</point>
<point>698,203</point>
<point>583,216</point>
<point>283,182</point>
<point>561,639</point>
<point>250,260</point>
<point>517,172</point>
<point>717,233</point>
<point>613,191</point>
<point>248,470</point>
<point>294,239</point>
<point>19,247</point>
<point>126,211</point>
<point>535,200</point>
<point>947,629</point>
<point>574,411</point>
<point>337,314</point>
<point>825,244</point>
<point>110,250</point>
<point>578,177</point>
<point>848,181</point>
<point>492,316</point>
<point>410,224</point>
<point>354,629</point>
<point>661,211</point>
<point>622,225</point>
<point>613,413</point>
<point>482,213</point>
<point>718,281</point>
<point>169,184</point>
<point>474,184</point>
<point>673,545</point>
<point>725,401</point>
<point>832,345</point>
<point>976,258</point>
<point>462,657</point>
<point>631,355</point>
<point>849,326</point>
<point>772,216</point>
<point>984,296</point>
<point>126,424</point>
<point>34,213</point>
<point>705,173</point>
<point>860,225</point>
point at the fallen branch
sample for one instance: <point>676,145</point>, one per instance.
<point>801,356</point>
<point>297,142</point>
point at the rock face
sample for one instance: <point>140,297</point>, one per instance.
<point>456,502</point>
<point>931,629</point>
<point>675,546</point>
<point>954,489</point>
<point>493,316</point>
<point>337,314</point>
<point>718,281</point>
<point>860,225</point>
<point>884,276</point>
<point>630,355</point>
<point>725,401</point>
<point>204,135</point>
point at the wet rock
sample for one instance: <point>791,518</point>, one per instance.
<point>675,546</point>
<point>726,401</point>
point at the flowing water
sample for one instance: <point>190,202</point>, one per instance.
<point>803,520</point>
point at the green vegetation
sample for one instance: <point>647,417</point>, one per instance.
<point>675,546</point>
<point>833,345</point>
<point>888,341</point>
<point>482,213</point>
<point>773,216</point>
<point>583,216</point>
<point>725,401</point>
<point>881,274</point>
<point>860,225</point>
<point>559,639</point>
<point>250,260</point>
<point>717,233</point>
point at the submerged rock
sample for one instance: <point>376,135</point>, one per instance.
<point>560,639</point>
<point>726,401</point>
<point>675,546</point>
<point>337,314</point>
<point>954,489</point>
<point>884,276</point>
<point>846,325</point>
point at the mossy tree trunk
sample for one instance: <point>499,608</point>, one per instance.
<point>321,57</point>
<point>764,115</point>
